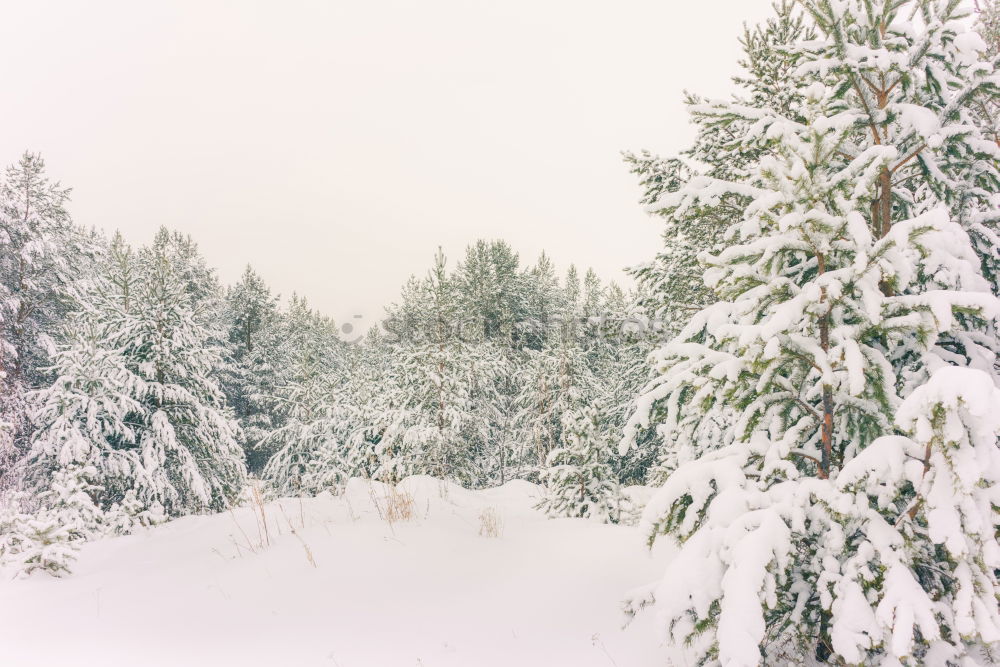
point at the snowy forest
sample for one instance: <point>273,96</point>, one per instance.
<point>793,411</point>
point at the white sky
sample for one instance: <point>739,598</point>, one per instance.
<point>334,145</point>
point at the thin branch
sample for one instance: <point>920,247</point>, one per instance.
<point>875,89</point>
<point>908,158</point>
<point>815,460</point>
<point>808,408</point>
<point>868,110</point>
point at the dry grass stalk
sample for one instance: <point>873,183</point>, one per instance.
<point>246,538</point>
<point>490,523</point>
<point>258,503</point>
<point>309,554</point>
<point>376,503</point>
<point>399,505</point>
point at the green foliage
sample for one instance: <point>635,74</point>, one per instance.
<point>579,480</point>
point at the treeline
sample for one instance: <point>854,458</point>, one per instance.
<point>824,422</point>
<point>137,386</point>
<point>473,377</point>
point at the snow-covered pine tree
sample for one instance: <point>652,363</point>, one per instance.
<point>311,405</point>
<point>340,422</point>
<point>200,281</point>
<point>825,414</point>
<point>571,311</point>
<point>49,539</point>
<point>41,254</point>
<point>310,452</point>
<point>134,399</point>
<point>438,388</point>
<point>490,291</point>
<point>488,366</point>
<point>543,303</point>
<point>617,356</point>
<point>594,296</point>
<point>554,381</point>
<point>376,393</point>
<point>672,284</point>
<point>252,308</point>
<point>578,477</point>
<point>493,296</point>
<point>254,366</point>
<point>558,378</point>
<point>445,396</point>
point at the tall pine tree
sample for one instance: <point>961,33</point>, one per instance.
<point>134,399</point>
<point>41,255</point>
<point>824,415</point>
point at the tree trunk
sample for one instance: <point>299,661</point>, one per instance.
<point>826,432</point>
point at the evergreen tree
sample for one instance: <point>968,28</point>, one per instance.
<point>572,307</point>
<point>594,297</point>
<point>310,447</point>
<point>376,392</point>
<point>543,302</point>
<point>818,415</point>
<point>254,364</point>
<point>252,308</point>
<point>617,359</point>
<point>48,540</point>
<point>404,320</point>
<point>438,382</point>
<point>491,436</point>
<point>307,412</point>
<point>578,478</point>
<point>200,281</point>
<point>41,254</point>
<point>554,382</point>
<point>673,289</point>
<point>134,399</point>
<point>490,291</point>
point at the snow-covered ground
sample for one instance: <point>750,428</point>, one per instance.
<point>429,591</point>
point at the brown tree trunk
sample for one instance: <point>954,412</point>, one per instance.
<point>826,428</point>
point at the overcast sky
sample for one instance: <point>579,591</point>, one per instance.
<point>334,145</point>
